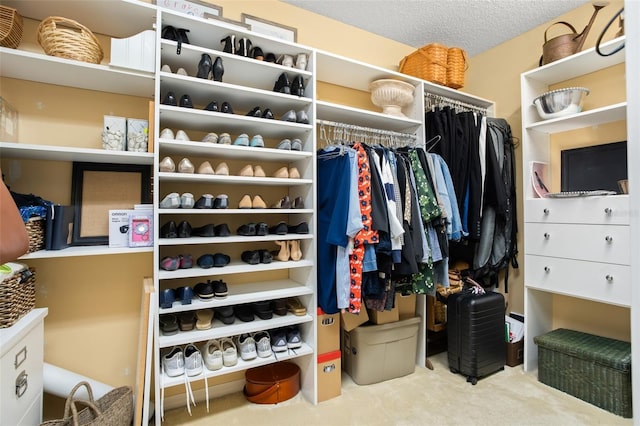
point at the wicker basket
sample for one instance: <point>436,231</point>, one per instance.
<point>35,229</point>
<point>69,39</point>
<point>10,27</point>
<point>17,296</point>
<point>428,63</point>
<point>456,67</point>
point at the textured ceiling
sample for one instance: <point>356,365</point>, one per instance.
<point>474,25</point>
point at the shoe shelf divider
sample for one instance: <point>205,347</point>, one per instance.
<point>246,83</point>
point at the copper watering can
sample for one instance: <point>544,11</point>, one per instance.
<point>567,44</point>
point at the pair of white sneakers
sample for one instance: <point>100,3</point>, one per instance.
<point>174,200</point>
<point>220,352</point>
<point>180,361</point>
<point>180,135</point>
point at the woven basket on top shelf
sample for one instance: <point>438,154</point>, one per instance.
<point>438,64</point>
<point>66,38</point>
<point>10,27</point>
<point>456,66</point>
<point>428,63</point>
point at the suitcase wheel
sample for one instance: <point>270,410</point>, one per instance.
<point>453,370</point>
<point>472,380</point>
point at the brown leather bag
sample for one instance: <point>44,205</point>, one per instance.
<point>14,239</point>
<point>272,383</point>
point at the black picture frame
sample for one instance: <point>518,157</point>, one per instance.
<point>97,188</point>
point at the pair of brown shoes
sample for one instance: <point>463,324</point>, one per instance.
<point>289,250</point>
<point>284,172</point>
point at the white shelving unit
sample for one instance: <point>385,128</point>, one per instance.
<point>246,83</point>
<point>577,247</point>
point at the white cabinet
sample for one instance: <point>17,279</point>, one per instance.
<point>21,369</point>
<point>577,247</point>
<point>247,83</point>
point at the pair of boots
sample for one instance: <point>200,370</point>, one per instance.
<point>243,48</point>
<point>289,250</point>
<point>210,70</point>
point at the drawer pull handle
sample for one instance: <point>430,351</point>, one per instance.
<point>609,278</point>
<point>546,235</point>
<point>547,269</point>
<point>20,358</point>
<point>545,211</point>
<point>21,384</point>
<point>608,239</point>
<point>608,210</point>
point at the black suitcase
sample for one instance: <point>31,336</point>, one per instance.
<point>475,334</point>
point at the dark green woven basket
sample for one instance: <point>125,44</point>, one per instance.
<point>593,368</point>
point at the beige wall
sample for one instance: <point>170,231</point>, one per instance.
<point>495,75</point>
<point>94,302</point>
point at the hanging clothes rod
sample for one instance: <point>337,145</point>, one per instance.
<point>433,100</point>
<point>360,130</point>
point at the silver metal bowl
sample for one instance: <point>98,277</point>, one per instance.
<point>560,102</point>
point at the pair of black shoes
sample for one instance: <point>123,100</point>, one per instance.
<point>257,112</point>
<point>207,201</point>
<point>217,260</point>
<point>210,70</point>
<point>170,99</point>
<point>210,289</point>
<point>284,85</point>
<point>213,106</point>
<point>243,48</point>
<point>253,229</point>
<point>211,230</point>
<point>176,34</point>
<point>171,230</point>
<point>253,257</point>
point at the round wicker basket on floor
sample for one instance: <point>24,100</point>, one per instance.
<point>10,27</point>
<point>66,38</point>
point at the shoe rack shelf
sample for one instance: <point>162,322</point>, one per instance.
<point>231,123</point>
<point>231,180</point>
<point>220,330</point>
<point>242,365</point>
<point>247,293</point>
<point>234,267</point>
<point>246,83</point>
<point>231,239</point>
<point>233,151</point>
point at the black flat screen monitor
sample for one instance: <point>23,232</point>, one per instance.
<point>594,167</point>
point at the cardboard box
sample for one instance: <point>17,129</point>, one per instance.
<point>329,375</point>
<point>119,228</point>
<point>406,304</point>
<point>432,323</point>
<point>328,332</point>
<point>515,353</point>
<point>350,321</point>
<point>384,317</point>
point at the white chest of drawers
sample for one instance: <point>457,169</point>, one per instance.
<point>579,247</point>
<point>21,366</point>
